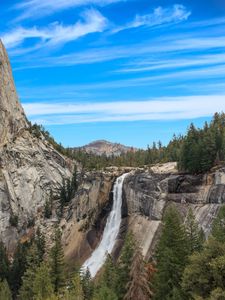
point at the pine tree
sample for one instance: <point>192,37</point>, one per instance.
<point>195,235</point>
<point>18,267</point>
<point>218,227</point>
<point>57,264</point>
<point>5,293</point>
<point>138,287</point>
<point>40,243</point>
<point>76,291</point>
<point>47,210</point>
<point>33,262</point>
<point>42,285</point>
<point>171,256</point>
<point>74,182</point>
<point>87,285</point>
<point>4,263</point>
<point>104,293</point>
<point>205,271</point>
<point>124,265</point>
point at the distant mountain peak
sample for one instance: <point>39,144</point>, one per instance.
<point>104,147</point>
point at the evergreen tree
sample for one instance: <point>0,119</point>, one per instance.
<point>47,210</point>
<point>104,293</point>
<point>138,287</point>
<point>4,263</point>
<point>205,271</point>
<point>42,285</point>
<point>33,262</point>
<point>18,267</point>
<point>5,293</point>
<point>171,256</point>
<point>124,265</point>
<point>74,182</point>
<point>76,291</point>
<point>57,264</point>
<point>195,235</point>
<point>40,243</point>
<point>87,285</point>
<point>218,227</point>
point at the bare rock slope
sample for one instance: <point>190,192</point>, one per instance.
<point>29,166</point>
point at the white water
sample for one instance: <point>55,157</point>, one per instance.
<point>98,257</point>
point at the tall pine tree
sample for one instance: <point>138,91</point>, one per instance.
<point>171,256</point>
<point>57,264</point>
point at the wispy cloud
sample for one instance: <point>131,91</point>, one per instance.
<point>38,9</point>
<point>174,63</point>
<point>188,107</point>
<point>156,47</point>
<point>56,33</point>
<point>160,16</point>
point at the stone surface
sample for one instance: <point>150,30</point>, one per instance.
<point>12,118</point>
<point>148,194</point>
<point>29,166</point>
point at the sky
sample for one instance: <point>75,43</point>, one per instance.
<point>128,71</point>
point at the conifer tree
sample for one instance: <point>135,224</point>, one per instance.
<point>124,265</point>
<point>57,264</point>
<point>138,287</point>
<point>104,293</point>
<point>4,263</point>
<point>171,256</point>
<point>76,291</point>
<point>5,293</point>
<point>18,267</point>
<point>42,285</point>
<point>40,243</point>
<point>205,271</point>
<point>87,285</point>
<point>218,227</point>
<point>195,235</point>
<point>33,262</point>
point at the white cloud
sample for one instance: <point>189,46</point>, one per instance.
<point>40,8</point>
<point>156,47</point>
<point>173,63</point>
<point>160,16</point>
<point>56,33</point>
<point>188,107</point>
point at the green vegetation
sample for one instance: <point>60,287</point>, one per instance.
<point>13,220</point>
<point>196,152</point>
<point>184,267</point>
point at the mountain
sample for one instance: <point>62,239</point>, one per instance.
<point>30,167</point>
<point>103,147</point>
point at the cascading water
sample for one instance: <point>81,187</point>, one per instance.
<point>98,257</point>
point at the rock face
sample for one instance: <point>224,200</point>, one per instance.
<point>12,118</point>
<point>29,166</point>
<point>148,194</point>
<point>103,147</point>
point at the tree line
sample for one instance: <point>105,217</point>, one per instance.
<point>197,151</point>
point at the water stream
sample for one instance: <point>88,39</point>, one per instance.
<point>98,257</point>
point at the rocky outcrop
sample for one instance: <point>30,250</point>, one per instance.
<point>86,216</point>
<point>29,166</point>
<point>12,118</point>
<point>148,194</point>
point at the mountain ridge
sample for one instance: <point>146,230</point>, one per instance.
<point>105,147</point>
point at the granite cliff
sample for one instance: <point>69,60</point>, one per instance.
<point>30,168</point>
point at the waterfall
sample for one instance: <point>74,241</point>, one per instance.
<point>98,257</point>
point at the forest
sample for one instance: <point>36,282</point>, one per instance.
<point>184,266</point>
<point>196,152</point>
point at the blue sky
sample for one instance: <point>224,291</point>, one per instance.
<point>130,71</point>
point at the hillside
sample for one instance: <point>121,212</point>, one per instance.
<point>102,147</point>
